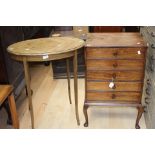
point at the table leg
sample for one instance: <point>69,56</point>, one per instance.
<point>76,87</point>
<point>68,79</point>
<point>27,79</point>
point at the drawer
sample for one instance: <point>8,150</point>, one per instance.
<point>116,75</point>
<point>115,64</point>
<point>119,86</point>
<point>113,96</point>
<point>115,53</point>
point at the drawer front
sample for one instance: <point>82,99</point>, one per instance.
<point>113,96</point>
<point>116,75</point>
<point>115,53</point>
<point>119,86</point>
<point>115,64</point>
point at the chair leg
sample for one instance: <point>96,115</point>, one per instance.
<point>85,108</point>
<point>13,110</point>
<point>140,112</point>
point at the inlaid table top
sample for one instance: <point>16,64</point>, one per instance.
<point>45,46</point>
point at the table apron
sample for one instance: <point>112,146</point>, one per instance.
<point>41,58</point>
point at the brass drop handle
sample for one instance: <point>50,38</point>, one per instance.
<point>115,54</point>
<point>115,65</point>
<point>114,75</point>
<point>113,96</point>
<point>114,87</point>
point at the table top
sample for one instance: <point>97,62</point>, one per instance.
<point>118,39</point>
<point>41,46</point>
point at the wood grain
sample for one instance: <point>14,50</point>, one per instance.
<point>13,111</point>
<point>45,46</point>
<point>115,53</point>
<point>113,96</point>
<point>119,75</point>
<point>117,58</point>
<point>6,93</point>
<point>115,40</point>
<point>5,90</point>
<point>119,86</point>
<point>115,64</point>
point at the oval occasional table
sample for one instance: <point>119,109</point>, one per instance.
<point>47,49</point>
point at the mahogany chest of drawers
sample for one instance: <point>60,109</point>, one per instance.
<point>115,64</point>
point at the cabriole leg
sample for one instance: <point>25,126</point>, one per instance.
<point>85,108</point>
<point>140,112</point>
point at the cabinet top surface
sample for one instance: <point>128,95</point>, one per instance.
<point>122,39</point>
<point>41,46</point>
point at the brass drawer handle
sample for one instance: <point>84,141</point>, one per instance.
<point>114,87</point>
<point>113,96</point>
<point>115,65</point>
<point>115,54</point>
<point>114,75</point>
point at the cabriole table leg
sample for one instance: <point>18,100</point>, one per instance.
<point>140,112</point>
<point>85,108</point>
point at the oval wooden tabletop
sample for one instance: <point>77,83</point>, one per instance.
<point>42,46</point>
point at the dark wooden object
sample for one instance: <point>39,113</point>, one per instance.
<point>6,92</point>
<point>117,59</point>
<point>106,28</point>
